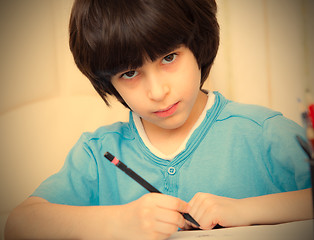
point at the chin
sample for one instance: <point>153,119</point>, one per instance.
<point>173,125</point>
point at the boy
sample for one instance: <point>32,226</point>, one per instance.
<point>222,162</point>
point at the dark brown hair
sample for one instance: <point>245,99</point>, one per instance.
<point>110,36</point>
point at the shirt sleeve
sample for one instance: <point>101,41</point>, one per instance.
<point>77,181</point>
<point>288,164</point>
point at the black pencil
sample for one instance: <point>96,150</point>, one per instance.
<point>141,181</point>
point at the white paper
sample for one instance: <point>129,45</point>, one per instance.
<point>301,230</point>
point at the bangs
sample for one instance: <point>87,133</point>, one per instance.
<point>141,31</point>
<point>111,36</point>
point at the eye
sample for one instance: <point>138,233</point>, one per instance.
<point>129,74</point>
<point>169,58</point>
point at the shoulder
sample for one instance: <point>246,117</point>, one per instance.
<point>248,112</point>
<point>113,132</point>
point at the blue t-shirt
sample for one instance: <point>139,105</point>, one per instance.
<point>237,151</point>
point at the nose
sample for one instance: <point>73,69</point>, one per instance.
<point>157,87</point>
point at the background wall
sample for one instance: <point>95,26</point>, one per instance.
<point>265,58</point>
<point>266,55</point>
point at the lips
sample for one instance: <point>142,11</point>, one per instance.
<point>167,111</point>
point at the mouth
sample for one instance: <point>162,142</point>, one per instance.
<point>167,111</point>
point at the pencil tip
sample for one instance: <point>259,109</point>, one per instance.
<point>109,156</point>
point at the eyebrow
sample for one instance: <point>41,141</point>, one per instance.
<point>122,69</point>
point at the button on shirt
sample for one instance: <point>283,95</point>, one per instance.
<point>171,170</point>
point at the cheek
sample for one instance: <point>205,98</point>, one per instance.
<point>190,80</point>
<point>133,99</point>
<point>122,90</point>
<point>190,71</point>
<point>133,95</point>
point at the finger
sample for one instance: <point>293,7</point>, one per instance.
<point>196,201</point>
<point>165,228</point>
<point>187,226</point>
<point>201,210</point>
<point>197,206</point>
<point>207,214</point>
<point>170,216</point>
<point>207,220</point>
<point>194,198</point>
<point>172,203</point>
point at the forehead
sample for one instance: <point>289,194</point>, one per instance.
<point>147,31</point>
<point>146,60</point>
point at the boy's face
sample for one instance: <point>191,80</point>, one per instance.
<point>163,92</point>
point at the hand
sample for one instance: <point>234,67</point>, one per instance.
<point>153,216</point>
<point>209,210</point>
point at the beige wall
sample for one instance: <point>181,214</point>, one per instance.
<point>267,54</point>
<point>266,58</point>
<point>36,63</point>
